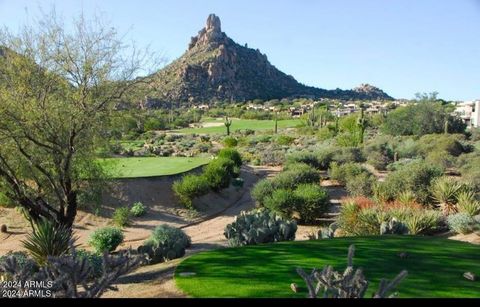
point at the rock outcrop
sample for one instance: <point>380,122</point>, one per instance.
<point>216,68</point>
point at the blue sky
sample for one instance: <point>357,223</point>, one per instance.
<point>401,46</point>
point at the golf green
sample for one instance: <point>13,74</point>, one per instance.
<point>435,267</point>
<point>151,166</point>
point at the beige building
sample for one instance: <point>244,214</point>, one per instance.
<point>469,112</point>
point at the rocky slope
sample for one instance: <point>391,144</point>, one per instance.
<point>216,68</point>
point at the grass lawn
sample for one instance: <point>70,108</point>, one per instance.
<point>435,266</point>
<point>252,124</point>
<point>151,166</point>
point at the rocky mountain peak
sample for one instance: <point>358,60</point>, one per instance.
<point>213,24</point>
<point>370,90</point>
<point>216,68</point>
<point>210,35</point>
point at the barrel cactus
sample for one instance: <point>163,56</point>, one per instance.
<point>259,226</point>
<point>165,243</point>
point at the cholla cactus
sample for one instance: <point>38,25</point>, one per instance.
<point>393,227</point>
<point>67,276</point>
<point>328,283</point>
<point>259,226</point>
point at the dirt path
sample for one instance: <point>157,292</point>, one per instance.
<point>157,280</point>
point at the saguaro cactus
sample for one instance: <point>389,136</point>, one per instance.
<point>362,124</point>
<point>276,122</point>
<point>328,283</point>
<point>228,123</point>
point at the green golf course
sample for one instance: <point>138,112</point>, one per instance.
<point>435,267</point>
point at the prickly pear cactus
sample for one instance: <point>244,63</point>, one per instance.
<point>259,226</point>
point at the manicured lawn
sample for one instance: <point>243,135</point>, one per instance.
<point>151,166</point>
<point>242,124</point>
<point>435,266</point>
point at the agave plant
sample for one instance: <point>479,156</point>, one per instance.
<point>47,239</point>
<point>444,191</point>
<point>467,202</point>
<point>406,197</point>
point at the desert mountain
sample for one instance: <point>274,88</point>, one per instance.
<point>216,68</point>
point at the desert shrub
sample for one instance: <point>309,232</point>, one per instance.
<point>259,226</point>
<point>231,154</point>
<point>219,173</point>
<point>359,219</point>
<point>94,260</point>
<point>304,157</point>
<point>379,152</point>
<point>282,201</point>
<point>474,134</point>
<point>448,144</point>
<point>121,217</point>
<point>401,163</point>
<point>46,240</point>
<point>230,141</point>
<point>291,166</point>
<point>341,172</point>
<point>165,243</point>
<point>357,180</point>
<point>271,155</point>
<point>106,239</point>
<point>407,148</point>
<point>324,157</point>
<point>293,177</point>
<point>261,190</point>
<point>353,223</point>
<point>189,187</point>
<point>421,221</point>
<point>326,133</point>
<point>415,177</point>
<point>441,159</point>
<point>138,209</point>
<point>468,166</point>
<point>426,117</point>
<point>378,160</point>
<point>361,184</point>
<point>285,140</point>
<point>462,223</point>
<point>312,202</point>
<point>467,202</point>
<point>347,154</point>
<point>289,179</point>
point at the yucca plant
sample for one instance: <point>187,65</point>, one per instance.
<point>444,191</point>
<point>47,239</point>
<point>406,197</point>
<point>421,221</point>
<point>467,202</point>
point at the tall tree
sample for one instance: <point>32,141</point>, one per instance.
<point>56,89</point>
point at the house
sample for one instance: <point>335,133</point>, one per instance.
<point>469,112</point>
<point>202,107</point>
